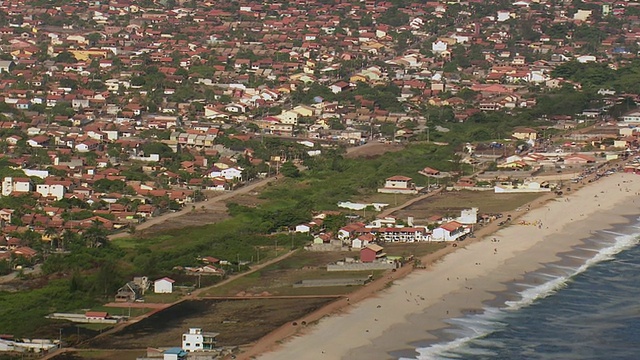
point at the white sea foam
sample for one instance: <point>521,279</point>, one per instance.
<point>474,327</point>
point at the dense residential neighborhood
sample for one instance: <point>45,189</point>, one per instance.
<point>117,113</point>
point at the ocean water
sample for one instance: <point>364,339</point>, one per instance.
<point>586,306</point>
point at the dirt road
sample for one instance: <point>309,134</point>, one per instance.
<point>26,271</point>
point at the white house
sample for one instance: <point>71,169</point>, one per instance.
<point>55,190</point>
<point>303,228</point>
<point>197,340</point>
<point>586,58</point>
<point>450,231</point>
<point>503,15</point>
<point>362,241</point>
<point>439,47</point>
<point>21,185</point>
<point>398,185</point>
<point>163,286</point>
<point>232,173</point>
<point>468,216</point>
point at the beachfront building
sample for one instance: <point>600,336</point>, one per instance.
<point>371,253</point>
<point>174,354</point>
<point>362,241</point>
<point>450,231</point>
<point>404,234</point>
<point>349,231</point>
<point>399,185</point>
<point>197,340</point>
<point>529,187</point>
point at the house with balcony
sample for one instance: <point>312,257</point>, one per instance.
<point>197,340</point>
<point>450,231</point>
<point>404,234</point>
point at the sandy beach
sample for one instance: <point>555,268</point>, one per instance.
<point>463,280</point>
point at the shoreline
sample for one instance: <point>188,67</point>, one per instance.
<point>511,291</point>
<point>424,299</point>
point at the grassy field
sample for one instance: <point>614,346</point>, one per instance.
<point>450,203</point>
<point>96,327</point>
<point>278,279</point>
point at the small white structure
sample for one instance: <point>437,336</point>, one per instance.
<point>439,47</point>
<point>468,216</point>
<point>586,58</point>
<point>163,286</point>
<point>232,173</point>
<point>197,340</point>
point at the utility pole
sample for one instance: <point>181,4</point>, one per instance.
<point>276,246</point>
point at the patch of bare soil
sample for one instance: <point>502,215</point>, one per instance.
<point>197,217</point>
<point>238,322</point>
<point>372,149</point>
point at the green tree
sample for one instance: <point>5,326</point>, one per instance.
<point>289,169</point>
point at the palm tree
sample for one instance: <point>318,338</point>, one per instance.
<point>96,235</point>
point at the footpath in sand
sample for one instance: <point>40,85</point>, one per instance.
<point>405,312</point>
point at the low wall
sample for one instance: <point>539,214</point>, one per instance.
<point>331,282</point>
<point>361,266</point>
<point>513,191</point>
<point>80,318</point>
<point>471,188</point>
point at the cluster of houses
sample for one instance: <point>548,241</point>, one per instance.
<point>135,290</point>
<point>79,99</point>
<point>358,235</point>
<point>289,45</point>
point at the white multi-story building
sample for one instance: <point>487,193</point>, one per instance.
<point>197,340</point>
<point>404,234</point>
<point>20,185</point>
<point>55,190</point>
<point>633,117</point>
